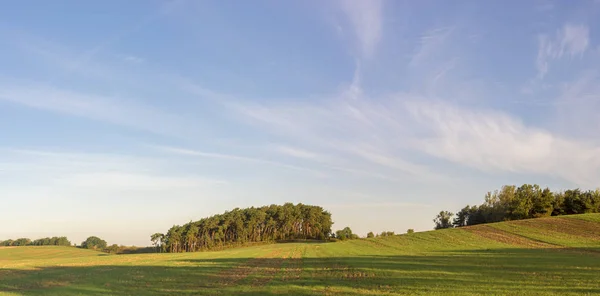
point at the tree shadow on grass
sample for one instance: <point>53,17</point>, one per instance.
<point>498,271</point>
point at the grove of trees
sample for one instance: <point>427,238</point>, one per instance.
<point>249,225</point>
<point>345,234</point>
<point>94,242</point>
<point>526,201</point>
<point>47,241</point>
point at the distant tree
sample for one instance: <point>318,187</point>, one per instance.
<point>526,201</point>
<point>387,233</point>
<point>443,220</point>
<point>345,234</point>
<point>21,242</point>
<point>542,204</point>
<point>94,242</point>
<point>410,230</point>
<point>113,249</point>
<point>462,217</point>
<point>157,240</point>
<point>370,234</point>
<point>255,224</point>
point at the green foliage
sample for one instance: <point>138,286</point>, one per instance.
<point>94,242</point>
<point>387,233</point>
<point>247,226</point>
<point>345,234</point>
<point>6,243</point>
<point>443,220</point>
<point>157,240</point>
<point>410,230</point>
<point>21,242</point>
<point>370,234</point>
<point>47,241</point>
<point>526,201</point>
<point>112,249</point>
<point>52,241</point>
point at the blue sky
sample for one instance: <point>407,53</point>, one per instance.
<point>120,119</point>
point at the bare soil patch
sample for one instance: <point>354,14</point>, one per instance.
<point>498,235</point>
<point>574,227</point>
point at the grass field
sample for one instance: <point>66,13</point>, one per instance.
<point>538,256</point>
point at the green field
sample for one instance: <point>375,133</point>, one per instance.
<point>538,256</point>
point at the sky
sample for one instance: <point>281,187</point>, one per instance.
<point>122,118</point>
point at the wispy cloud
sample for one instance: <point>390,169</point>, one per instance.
<point>429,43</point>
<point>132,59</point>
<point>367,19</point>
<point>494,141</point>
<point>295,152</point>
<point>189,152</point>
<point>376,205</point>
<point>113,172</point>
<point>571,40</point>
<point>115,110</point>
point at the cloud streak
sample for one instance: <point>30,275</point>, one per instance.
<point>366,18</point>
<point>571,40</point>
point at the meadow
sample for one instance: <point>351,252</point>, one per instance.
<point>545,256</point>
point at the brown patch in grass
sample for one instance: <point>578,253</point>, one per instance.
<point>294,266</point>
<point>502,236</point>
<point>573,227</point>
<point>231,276</point>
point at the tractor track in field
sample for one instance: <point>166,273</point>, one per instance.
<point>293,267</point>
<point>234,275</point>
<point>506,237</point>
<point>575,227</point>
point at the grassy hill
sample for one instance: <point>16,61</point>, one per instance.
<point>558,255</point>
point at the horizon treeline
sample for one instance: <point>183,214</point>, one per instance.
<point>524,202</point>
<point>46,241</point>
<point>248,225</point>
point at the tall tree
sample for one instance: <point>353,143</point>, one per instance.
<point>443,220</point>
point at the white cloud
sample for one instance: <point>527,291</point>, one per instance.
<point>188,152</point>
<point>570,40</point>
<point>494,141</point>
<point>102,172</point>
<point>430,43</point>
<point>132,59</point>
<point>114,181</point>
<point>367,19</point>
<point>114,110</point>
<point>295,152</point>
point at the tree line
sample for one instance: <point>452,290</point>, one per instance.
<point>46,241</point>
<point>249,225</point>
<point>516,203</point>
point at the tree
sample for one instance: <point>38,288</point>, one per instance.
<point>522,203</point>
<point>387,233</point>
<point>462,217</point>
<point>410,230</point>
<point>157,240</point>
<point>542,204</point>
<point>442,220</point>
<point>526,201</point>
<point>370,234</point>
<point>345,234</point>
<point>94,242</point>
<point>21,242</point>
<point>240,226</point>
<point>113,249</point>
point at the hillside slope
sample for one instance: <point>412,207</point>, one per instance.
<point>547,256</point>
